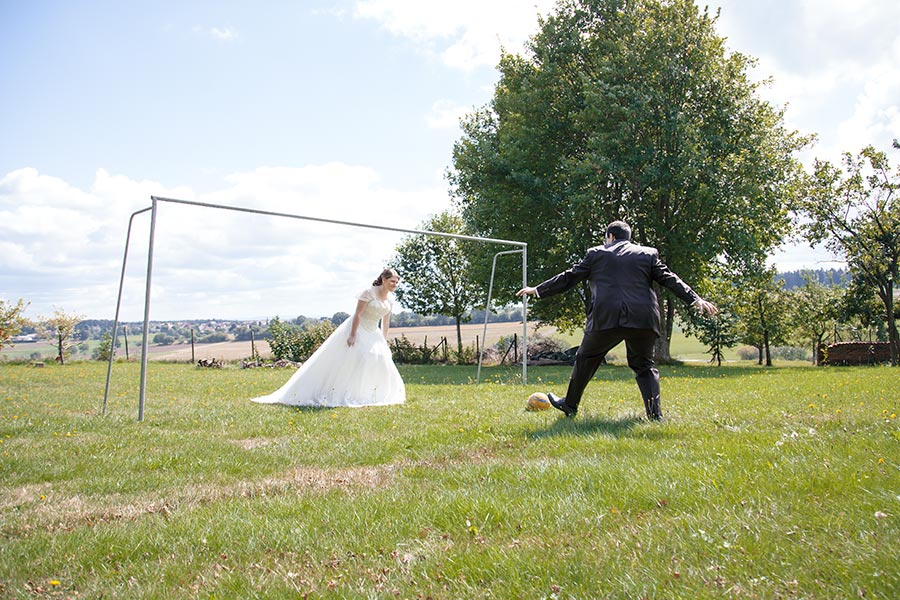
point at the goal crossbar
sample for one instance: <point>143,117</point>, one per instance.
<point>155,200</point>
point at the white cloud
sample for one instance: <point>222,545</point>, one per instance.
<point>63,246</point>
<point>225,34</point>
<point>222,34</point>
<point>445,114</point>
<point>465,33</point>
<point>876,112</point>
<point>836,66</point>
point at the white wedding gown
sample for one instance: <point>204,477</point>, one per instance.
<point>340,375</point>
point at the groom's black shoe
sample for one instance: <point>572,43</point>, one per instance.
<point>560,404</point>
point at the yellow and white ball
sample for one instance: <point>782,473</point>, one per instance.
<point>537,401</point>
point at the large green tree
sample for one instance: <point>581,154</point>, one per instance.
<point>435,272</point>
<point>629,109</point>
<point>856,213</point>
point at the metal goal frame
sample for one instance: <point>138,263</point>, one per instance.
<point>156,200</point>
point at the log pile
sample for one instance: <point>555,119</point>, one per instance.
<point>553,358</point>
<point>252,364</point>
<point>854,353</point>
<point>210,363</point>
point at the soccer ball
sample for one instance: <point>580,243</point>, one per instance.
<point>537,401</point>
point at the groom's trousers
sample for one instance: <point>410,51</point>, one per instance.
<point>639,345</point>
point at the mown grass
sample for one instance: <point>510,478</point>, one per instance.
<point>761,483</point>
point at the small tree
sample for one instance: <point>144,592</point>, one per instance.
<point>813,309</point>
<point>11,320</point>
<point>59,329</point>
<point>718,332</point>
<point>285,339</point>
<point>861,309</point>
<point>761,306</point>
<point>856,213</point>
<point>435,273</point>
<point>102,352</point>
<point>721,330</point>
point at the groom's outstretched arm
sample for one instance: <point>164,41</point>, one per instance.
<point>561,282</point>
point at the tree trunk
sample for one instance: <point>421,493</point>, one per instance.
<point>759,350</point>
<point>662,350</point>
<point>62,354</point>
<point>458,341</point>
<point>765,330</point>
<point>893,337</point>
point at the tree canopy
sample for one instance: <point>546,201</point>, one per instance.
<point>634,110</point>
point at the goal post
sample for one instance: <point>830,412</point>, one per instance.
<point>156,200</point>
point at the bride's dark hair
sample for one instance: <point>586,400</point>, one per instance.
<point>386,274</point>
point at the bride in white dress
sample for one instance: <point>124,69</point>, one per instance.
<point>353,367</point>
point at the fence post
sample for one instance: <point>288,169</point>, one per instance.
<point>125,332</point>
<point>515,348</point>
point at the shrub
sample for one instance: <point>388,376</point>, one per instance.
<point>748,353</point>
<point>162,339</point>
<point>791,353</point>
<point>468,356</point>
<point>102,351</point>
<point>214,338</point>
<point>313,336</point>
<point>406,352</point>
<point>289,342</point>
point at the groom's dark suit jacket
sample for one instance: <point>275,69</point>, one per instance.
<point>621,275</point>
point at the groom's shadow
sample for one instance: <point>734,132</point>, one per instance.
<point>591,426</point>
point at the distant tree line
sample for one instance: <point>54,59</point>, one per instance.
<point>830,277</point>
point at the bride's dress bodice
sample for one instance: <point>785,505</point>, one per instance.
<point>374,311</point>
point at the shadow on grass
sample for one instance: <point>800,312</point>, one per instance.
<point>302,409</point>
<point>590,426</point>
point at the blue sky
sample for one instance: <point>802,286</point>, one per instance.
<point>342,109</point>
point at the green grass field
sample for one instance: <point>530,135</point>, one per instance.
<point>761,483</point>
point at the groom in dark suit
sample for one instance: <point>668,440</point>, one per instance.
<point>623,307</point>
